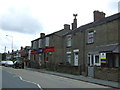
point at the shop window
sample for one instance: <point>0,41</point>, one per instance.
<point>90,37</point>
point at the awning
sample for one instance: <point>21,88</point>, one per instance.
<point>106,48</point>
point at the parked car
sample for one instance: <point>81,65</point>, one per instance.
<point>9,64</point>
<point>18,64</point>
<point>3,63</point>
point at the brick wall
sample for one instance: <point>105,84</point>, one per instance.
<point>111,74</point>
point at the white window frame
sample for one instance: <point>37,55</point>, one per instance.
<point>47,41</point>
<point>90,60</point>
<point>69,58</point>
<point>34,45</point>
<point>39,43</point>
<point>99,63</point>
<point>69,40</point>
<point>76,61</point>
<point>91,37</point>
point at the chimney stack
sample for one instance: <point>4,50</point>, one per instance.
<point>42,35</point>
<point>74,24</point>
<point>66,27</point>
<point>98,15</point>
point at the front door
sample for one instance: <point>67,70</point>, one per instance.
<point>76,59</point>
<point>90,66</point>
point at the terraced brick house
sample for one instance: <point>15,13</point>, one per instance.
<point>47,50</point>
<point>94,49</point>
<point>91,50</point>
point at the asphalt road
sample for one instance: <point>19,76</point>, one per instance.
<point>45,80</point>
<point>12,81</point>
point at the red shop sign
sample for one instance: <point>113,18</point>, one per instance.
<point>34,51</point>
<point>49,49</point>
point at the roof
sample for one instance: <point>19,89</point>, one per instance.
<point>93,24</point>
<point>47,35</point>
<point>106,48</point>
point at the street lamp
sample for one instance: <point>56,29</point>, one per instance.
<point>12,41</point>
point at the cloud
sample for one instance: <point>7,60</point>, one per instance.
<point>113,5</point>
<point>19,20</point>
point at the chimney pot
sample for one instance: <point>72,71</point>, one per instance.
<point>66,27</point>
<point>42,35</point>
<point>98,15</point>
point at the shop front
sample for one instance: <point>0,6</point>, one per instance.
<point>40,55</point>
<point>48,55</point>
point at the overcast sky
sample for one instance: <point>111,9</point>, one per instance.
<point>24,20</point>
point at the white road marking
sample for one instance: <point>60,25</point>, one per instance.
<point>26,80</point>
<point>30,82</point>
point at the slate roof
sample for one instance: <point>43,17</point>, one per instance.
<point>96,23</point>
<point>105,48</point>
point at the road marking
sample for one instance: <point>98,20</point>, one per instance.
<point>30,82</point>
<point>24,80</point>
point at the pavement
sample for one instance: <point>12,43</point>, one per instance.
<point>80,77</point>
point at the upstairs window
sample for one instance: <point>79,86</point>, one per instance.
<point>90,37</point>
<point>69,41</point>
<point>47,41</point>
<point>34,44</point>
<point>40,43</point>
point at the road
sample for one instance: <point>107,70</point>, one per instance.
<point>46,80</point>
<point>12,81</point>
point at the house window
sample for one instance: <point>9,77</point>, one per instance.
<point>47,41</point>
<point>40,43</point>
<point>69,58</point>
<point>34,45</point>
<point>113,60</point>
<point>69,41</point>
<point>91,37</point>
<point>90,60</point>
<point>97,60</point>
<point>117,61</point>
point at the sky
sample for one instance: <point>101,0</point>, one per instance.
<point>23,20</point>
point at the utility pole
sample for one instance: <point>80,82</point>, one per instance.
<point>12,42</point>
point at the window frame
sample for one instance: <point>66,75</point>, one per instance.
<point>69,58</point>
<point>69,41</point>
<point>90,37</point>
<point>47,41</point>
<point>40,43</point>
<point>97,63</point>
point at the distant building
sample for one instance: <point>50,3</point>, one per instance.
<point>3,56</point>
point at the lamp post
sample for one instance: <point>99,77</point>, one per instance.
<point>12,41</point>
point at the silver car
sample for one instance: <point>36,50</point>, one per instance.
<point>9,63</point>
<point>3,63</point>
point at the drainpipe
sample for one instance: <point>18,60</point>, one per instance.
<point>83,63</point>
